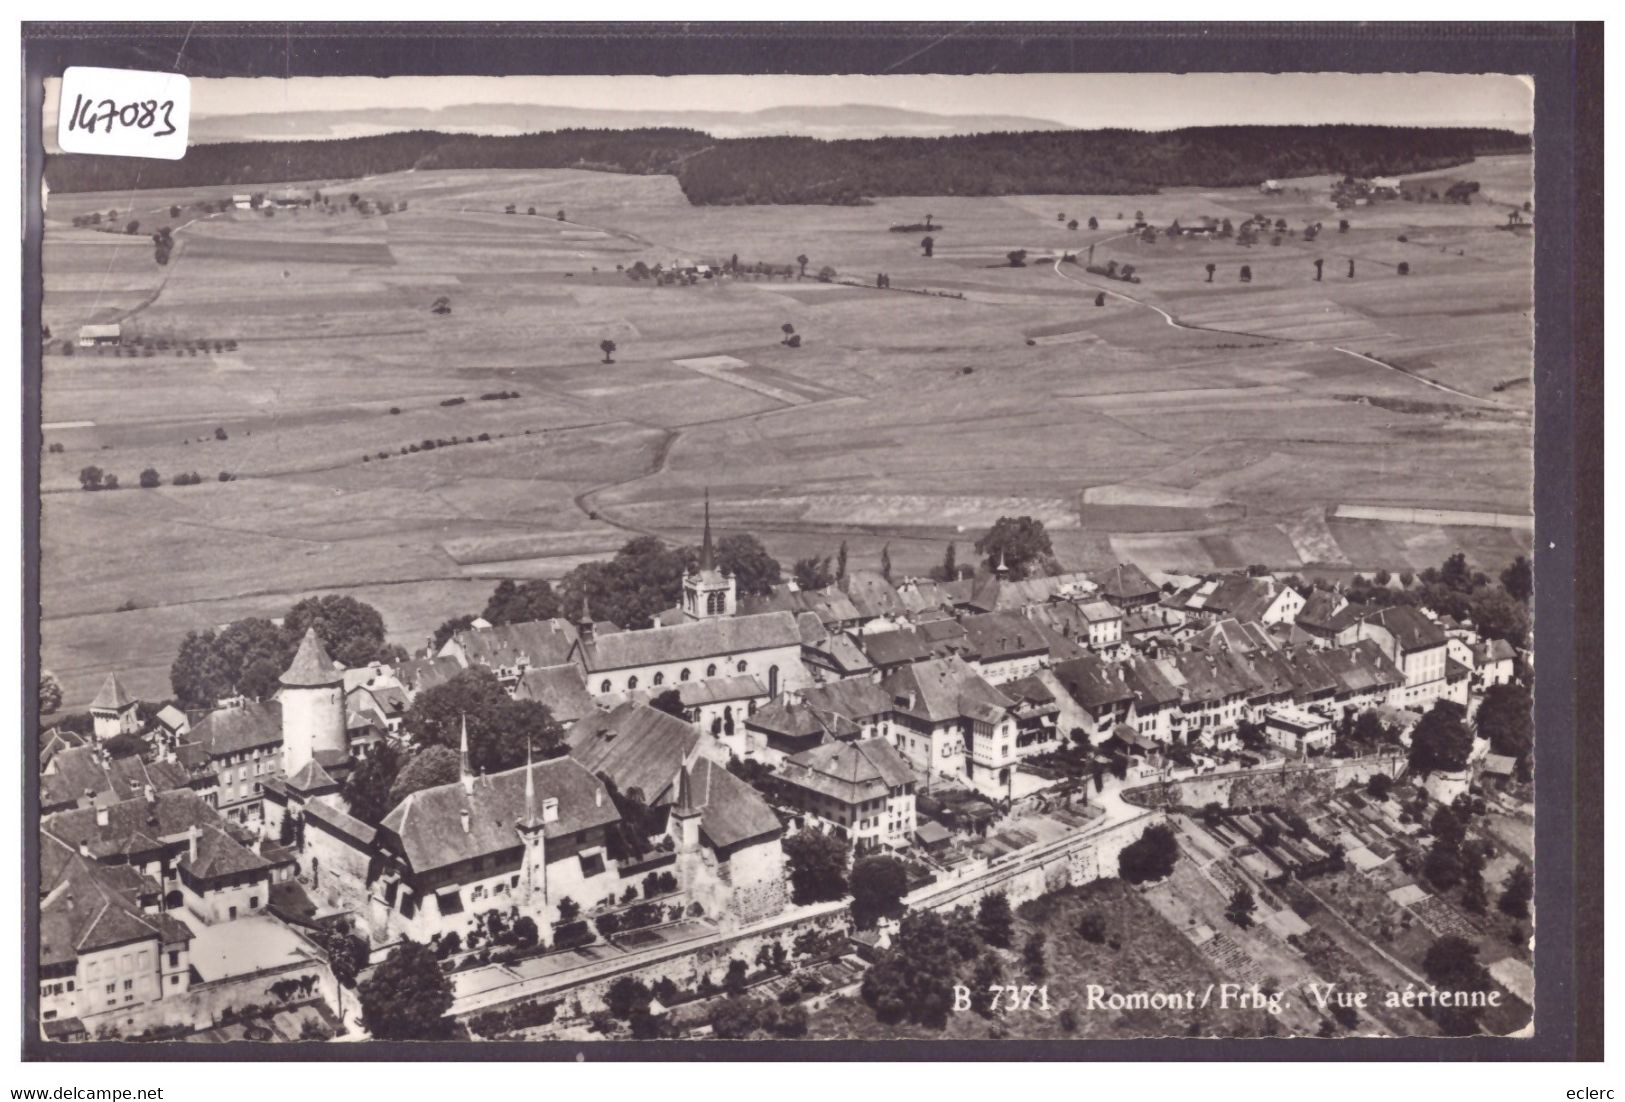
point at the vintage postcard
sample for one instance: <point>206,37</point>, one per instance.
<point>1025,556</point>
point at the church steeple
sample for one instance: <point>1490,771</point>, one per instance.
<point>708,591</point>
<point>584,629</point>
<point>707,556</point>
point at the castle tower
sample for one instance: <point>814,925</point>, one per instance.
<point>707,591</point>
<point>114,712</point>
<point>312,698</point>
<point>533,878</point>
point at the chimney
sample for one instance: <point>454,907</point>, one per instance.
<point>150,793</point>
<point>70,901</point>
<point>101,815</point>
<point>466,819</point>
<point>192,834</point>
<point>598,797</point>
<point>550,809</point>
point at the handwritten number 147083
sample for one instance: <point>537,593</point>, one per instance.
<point>136,115</point>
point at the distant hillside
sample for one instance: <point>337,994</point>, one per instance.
<point>853,120</point>
<point>809,170</point>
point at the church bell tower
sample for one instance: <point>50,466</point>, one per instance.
<point>709,592</point>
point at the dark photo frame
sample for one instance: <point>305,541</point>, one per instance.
<point>1566,65</point>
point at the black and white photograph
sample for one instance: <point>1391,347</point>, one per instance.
<point>786,557</point>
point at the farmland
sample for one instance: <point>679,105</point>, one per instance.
<point>1183,425</point>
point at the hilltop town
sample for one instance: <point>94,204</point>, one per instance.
<point>787,809</point>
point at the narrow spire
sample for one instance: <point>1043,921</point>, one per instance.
<point>1001,570</point>
<point>706,555</point>
<point>530,789</point>
<point>685,792</point>
<point>463,771</point>
<point>586,611</point>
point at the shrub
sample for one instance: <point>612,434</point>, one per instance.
<point>150,479</point>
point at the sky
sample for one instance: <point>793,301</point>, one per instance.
<point>1148,101</point>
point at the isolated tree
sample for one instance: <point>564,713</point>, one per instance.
<point>878,884</point>
<point>669,701</point>
<point>1404,268</point>
<point>994,920</point>
<point>927,244</point>
<point>1072,225</point>
<point>1440,741</point>
<point>1020,542</point>
<point>1319,264</point>
<point>1351,267</point>
<point>1520,889</point>
<point>1241,907</point>
<point>1211,268</point>
<point>1342,225</point>
<point>755,571</point>
<point>826,274</point>
<point>817,864</point>
<point>407,996</point>
<point>91,478</point>
<point>949,570</point>
<point>1506,718</point>
<point>1150,857</point>
<point>1094,223</point>
<point>442,305</point>
<point>1017,258</point>
<point>1518,580</point>
<point>1100,299</point>
<point>803,262</point>
<point>840,560</point>
<point>885,562</point>
<point>607,347</point>
<point>788,329</point>
<point>560,216</point>
<point>1246,273</point>
<point>150,479</point>
<point>1379,786</point>
<point>50,693</point>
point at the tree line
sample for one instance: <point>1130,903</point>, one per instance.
<point>841,172</point>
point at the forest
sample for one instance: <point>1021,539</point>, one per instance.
<point>846,172</point>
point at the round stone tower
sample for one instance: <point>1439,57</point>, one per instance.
<point>312,706</point>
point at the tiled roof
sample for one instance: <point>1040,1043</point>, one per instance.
<point>891,648</point>
<point>793,719</point>
<point>872,595</point>
<point>944,689</point>
<point>247,726</point>
<point>340,821</point>
<point>1092,683</point>
<point>993,636</point>
<point>428,824</point>
<point>419,674</point>
<point>218,854</point>
<point>112,697</point>
<point>534,643</point>
<point>1125,581</point>
<point>850,771</point>
<point>724,635</point>
<point>731,813</point>
<point>855,698</point>
<point>166,819</point>
<point>634,745</point>
<point>1149,683</point>
<point>312,666</point>
<point>172,717</point>
<point>562,688</point>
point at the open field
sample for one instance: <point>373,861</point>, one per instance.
<point>1185,425</point>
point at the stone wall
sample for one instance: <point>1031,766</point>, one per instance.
<point>1251,787</point>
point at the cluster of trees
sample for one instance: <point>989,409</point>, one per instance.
<point>817,864</point>
<point>407,996</point>
<point>1022,544</point>
<point>915,978</point>
<point>247,656</point>
<point>1498,611</point>
<point>1441,741</point>
<point>94,478</point>
<point>162,245</point>
<point>1150,857</point>
<point>809,170</point>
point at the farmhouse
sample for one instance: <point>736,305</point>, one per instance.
<point>1126,586</point>
<point>95,336</point>
<point>1244,598</point>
